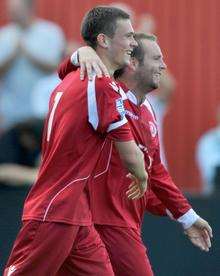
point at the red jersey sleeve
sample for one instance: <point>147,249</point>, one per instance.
<point>105,105</point>
<point>65,68</point>
<point>166,191</point>
<point>106,112</point>
<point>154,205</point>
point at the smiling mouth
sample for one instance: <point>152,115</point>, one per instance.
<point>128,52</point>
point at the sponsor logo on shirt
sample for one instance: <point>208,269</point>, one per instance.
<point>153,129</point>
<point>132,115</point>
<point>120,107</point>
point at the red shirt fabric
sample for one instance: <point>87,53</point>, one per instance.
<point>109,203</point>
<point>83,119</point>
<point>65,68</point>
<point>107,193</point>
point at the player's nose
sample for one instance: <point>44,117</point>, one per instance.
<point>163,65</point>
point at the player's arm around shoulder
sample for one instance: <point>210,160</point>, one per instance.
<point>112,121</point>
<point>133,160</point>
<point>110,105</point>
<point>87,60</point>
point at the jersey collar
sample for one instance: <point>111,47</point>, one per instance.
<point>131,96</point>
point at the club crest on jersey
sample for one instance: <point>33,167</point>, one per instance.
<point>153,129</point>
<point>120,107</point>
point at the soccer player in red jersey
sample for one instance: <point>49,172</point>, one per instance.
<point>85,118</point>
<point>117,219</point>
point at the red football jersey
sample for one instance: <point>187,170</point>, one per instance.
<point>109,203</point>
<point>83,119</point>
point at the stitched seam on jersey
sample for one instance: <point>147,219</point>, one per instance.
<point>107,167</point>
<point>48,207</point>
<point>79,179</point>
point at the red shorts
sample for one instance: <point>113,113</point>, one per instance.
<point>126,250</point>
<point>50,248</point>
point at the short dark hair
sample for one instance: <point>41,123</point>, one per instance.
<point>100,19</point>
<point>138,51</point>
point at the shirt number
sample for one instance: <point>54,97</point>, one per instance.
<point>50,121</point>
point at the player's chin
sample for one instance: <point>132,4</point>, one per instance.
<point>155,85</point>
<point>121,63</point>
<point>127,60</point>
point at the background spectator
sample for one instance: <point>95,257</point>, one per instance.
<point>30,48</point>
<point>42,90</point>
<point>208,157</point>
<point>20,153</point>
<point>188,34</point>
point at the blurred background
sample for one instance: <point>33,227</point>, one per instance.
<point>36,35</point>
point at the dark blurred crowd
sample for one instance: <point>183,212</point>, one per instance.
<point>30,50</point>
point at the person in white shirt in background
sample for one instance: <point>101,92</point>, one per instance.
<point>30,48</point>
<point>208,156</point>
<point>41,92</point>
<point>15,173</point>
<point>161,99</point>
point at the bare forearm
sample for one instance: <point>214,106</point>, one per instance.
<point>133,159</point>
<point>135,165</point>
<point>17,174</point>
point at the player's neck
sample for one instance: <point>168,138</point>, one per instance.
<point>111,67</point>
<point>139,95</point>
<point>137,91</point>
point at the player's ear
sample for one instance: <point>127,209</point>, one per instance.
<point>103,41</point>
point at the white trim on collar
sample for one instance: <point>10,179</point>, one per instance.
<point>149,107</point>
<point>132,97</point>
